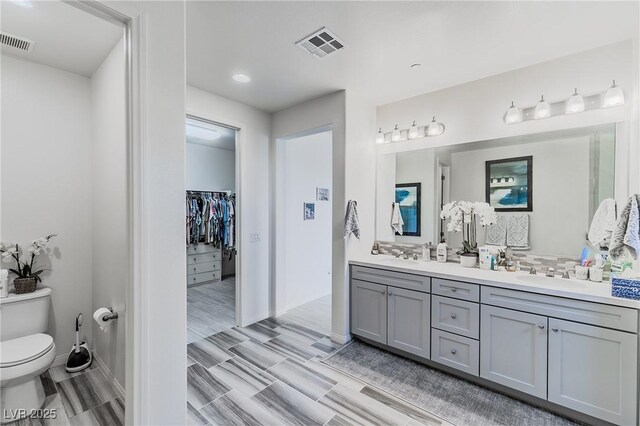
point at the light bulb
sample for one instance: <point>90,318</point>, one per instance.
<point>513,114</point>
<point>613,97</point>
<point>380,136</point>
<point>413,131</point>
<point>543,109</point>
<point>575,104</point>
<point>396,135</point>
<point>435,128</point>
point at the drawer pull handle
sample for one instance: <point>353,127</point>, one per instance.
<point>390,294</point>
<point>381,291</point>
<point>194,269</point>
<point>194,278</point>
<point>453,351</point>
<point>453,290</point>
<point>555,329</point>
<point>454,316</point>
<point>541,326</point>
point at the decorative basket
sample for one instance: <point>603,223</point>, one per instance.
<point>25,285</point>
<point>628,288</point>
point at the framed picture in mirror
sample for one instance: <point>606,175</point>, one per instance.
<point>408,198</point>
<point>508,184</point>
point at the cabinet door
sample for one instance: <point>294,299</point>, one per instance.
<point>513,349</point>
<point>369,310</point>
<point>409,321</point>
<point>593,370</point>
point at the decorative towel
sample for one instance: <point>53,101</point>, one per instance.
<point>351,221</point>
<point>496,234</point>
<point>626,236</point>
<point>396,218</point>
<point>518,231</point>
<point>603,223</point>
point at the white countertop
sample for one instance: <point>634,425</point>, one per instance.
<point>562,287</point>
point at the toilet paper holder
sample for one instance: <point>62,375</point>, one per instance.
<point>112,315</point>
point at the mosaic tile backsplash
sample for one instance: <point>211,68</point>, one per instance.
<point>527,260</point>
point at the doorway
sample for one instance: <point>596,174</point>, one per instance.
<point>211,228</point>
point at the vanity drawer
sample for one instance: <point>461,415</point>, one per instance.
<point>456,316</point>
<point>456,289</point>
<point>203,277</point>
<point>395,279</point>
<point>455,351</point>
<point>201,248</point>
<point>202,258</point>
<point>198,268</point>
<point>615,317</point>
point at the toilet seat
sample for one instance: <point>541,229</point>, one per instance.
<point>25,349</point>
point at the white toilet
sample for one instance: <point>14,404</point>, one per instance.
<point>25,352</point>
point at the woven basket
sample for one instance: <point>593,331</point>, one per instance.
<point>25,285</point>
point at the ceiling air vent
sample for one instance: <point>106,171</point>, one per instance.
<point>16,42</point>
<point>321,43</point>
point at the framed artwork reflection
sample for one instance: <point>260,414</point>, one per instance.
<point>408,197</point>
<point>509,184</point>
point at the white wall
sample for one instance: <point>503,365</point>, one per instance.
<point>307,165</point>
<point>210,168</point>
<point>46,182</point>
<point>109,207</point>
<point>253,193</point>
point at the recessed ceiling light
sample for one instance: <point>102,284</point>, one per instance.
<point>27,4</point>
<point>241,78</point>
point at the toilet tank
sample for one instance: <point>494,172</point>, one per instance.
<point>24,314</point>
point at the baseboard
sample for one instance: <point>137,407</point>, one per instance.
<point>60,360</point>
<point>341,339</point>
<point>107,373</point>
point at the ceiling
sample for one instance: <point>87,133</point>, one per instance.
<point>208,134</point>
<point>66,37</point>
<point>455,42</point>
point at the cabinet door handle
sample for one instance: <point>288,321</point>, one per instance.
<point>541,326</point>
<point>454,316</point>
<point>453,289</point>
<point>555,329</point>
<point>381,291</point>
<point>453,351</point>
<point>390,294</point>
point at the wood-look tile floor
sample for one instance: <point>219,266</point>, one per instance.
<point>270,373</point>
<point>211,308</point>
<point>84,398</point>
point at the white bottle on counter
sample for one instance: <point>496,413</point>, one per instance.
<point>441,252</point>
<point>4,283</point>
<point>426,253</point>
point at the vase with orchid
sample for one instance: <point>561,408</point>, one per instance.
<point>463,217</point>
<point>27,272</point>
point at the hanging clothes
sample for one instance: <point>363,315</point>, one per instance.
<point>210,219</point>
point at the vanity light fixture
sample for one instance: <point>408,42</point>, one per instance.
<point>613,97</point>
<point>396,135</point>
<point>414,133</point>
<point>513,114</point>
<point>575,104</point>
<point>380,137</point>
<point>435,128</point>
<point>543,109</point>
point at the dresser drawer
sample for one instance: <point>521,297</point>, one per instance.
<point>202,258</point>
<point>198,268</point>
<point>203,277</point>
<point>456,316</point>
<point>455,351</point>
<point>392,278</point>
<point>616,317</point>
<point>201,248</point>
<point>456,289</point>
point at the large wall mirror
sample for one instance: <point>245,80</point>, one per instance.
<point>552,182</point>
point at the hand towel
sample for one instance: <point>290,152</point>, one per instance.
<point>518,231</point>
<point>603,223</point>
<point>626,236</point>
<point>496,234</point>
<point>351,221</point>
<point>396,218</point>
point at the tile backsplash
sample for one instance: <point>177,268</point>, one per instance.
<point>527,260</point>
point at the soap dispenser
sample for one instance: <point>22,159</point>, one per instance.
<point>426,252</point>
<point>441,252</point>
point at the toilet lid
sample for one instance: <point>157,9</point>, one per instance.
<point>24,349</point>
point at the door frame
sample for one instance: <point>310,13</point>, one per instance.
<point>211,119</point>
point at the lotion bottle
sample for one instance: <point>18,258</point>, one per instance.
<point>441,252</point>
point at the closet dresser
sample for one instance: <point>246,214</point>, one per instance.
<point>204,264</point>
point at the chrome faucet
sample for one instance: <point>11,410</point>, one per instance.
<point>565,274</point>
<point>532,271</point>
<point>550,272</point>
<point>405,254</point>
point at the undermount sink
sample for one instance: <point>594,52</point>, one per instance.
<point>552,281</point>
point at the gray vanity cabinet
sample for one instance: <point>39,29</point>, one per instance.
<point>513,349</point>
<point>369,310</point>
<point>409,321</point>
<point>593,370</point>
